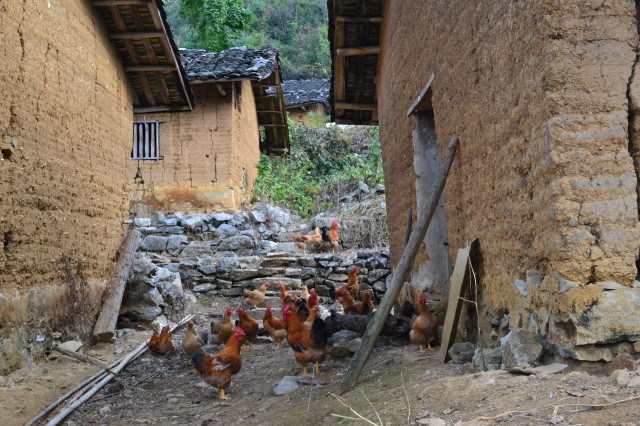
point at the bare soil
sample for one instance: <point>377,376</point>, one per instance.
<point>399,386</point>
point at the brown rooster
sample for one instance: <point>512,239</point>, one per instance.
<point>424,328</point>
<point>161,344</point>
<point>275,327</point>
<point>220,332</point>
<point>218,369</point>
<point>249,325</point>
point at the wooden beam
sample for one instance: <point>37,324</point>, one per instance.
<point>146,88</point>
<point>339,67</point>
<point>128,35</point>
<point>356,106</point>
<point>459,284</point>
<point>400,275</point>
<point>103,3</point>
<point>360,19</point>
<point>150,68</point>
<point>273,125</point>
<point>166,96</point>
<point>418,104</point>
<point>356,51</point>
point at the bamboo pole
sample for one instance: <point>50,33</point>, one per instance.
<point>402,271</point>
<point>81,357</point>
<point>93,384</point>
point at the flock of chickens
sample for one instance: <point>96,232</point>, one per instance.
<point>301,326</point>
<point>322,239</point>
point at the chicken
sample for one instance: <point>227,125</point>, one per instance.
<point>303,241</point>
<point>313,314</point>
<point>275,327</point>
<point>249,325</point>
<point>217,370</point>
<point>334,236</point>
<point>161,344</point>
<point>254,297</point>
<point>302,310</point>
<point>424,328</point>
<point>285,296</point>
<point>312,300</point>
<point>353,286</point>
<point>309,344</point>
<point>305,293</point>
<point>220,332</point>
<point>363,308</point>
<point>191,342</point>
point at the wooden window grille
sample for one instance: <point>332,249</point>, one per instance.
<point>146,141</point>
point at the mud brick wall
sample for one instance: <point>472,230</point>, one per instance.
<point>65,121</point>
<point>204,152</point>
<point>543,175</point>
<point>65,129</point>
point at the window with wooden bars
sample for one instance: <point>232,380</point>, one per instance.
<point>146,141</point>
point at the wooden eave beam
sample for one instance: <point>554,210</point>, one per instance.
<point>106,3</point>
<point>356,106</point>
<point>360,19</point>
<point>146,87</point>
<point>150,68</point>
<point>128,35</point>
<point>339,67</point>
<point>356,51</point>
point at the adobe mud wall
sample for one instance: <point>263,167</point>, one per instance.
<point>303,116</point>
<point>65,129</point>
<point>537,94</point>
<point>204,151</point>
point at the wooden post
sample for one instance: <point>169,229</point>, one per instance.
<point>104,330</point>
<point>459,283</point>
<point>402,271</point>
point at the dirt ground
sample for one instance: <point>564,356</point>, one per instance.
<point>399,386</point>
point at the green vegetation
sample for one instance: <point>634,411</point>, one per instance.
<point>297,28</point>
<point>325,164</point>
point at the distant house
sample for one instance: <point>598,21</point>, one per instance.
<point>207,159</point>
<point>545,103</point>
<point>305,97</point>
<point>73,75</point>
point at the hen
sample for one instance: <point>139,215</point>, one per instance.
<point>285,296</point>
<point>249,325</point>
<point>218,369</point>
<point>191,342</point>
<point>313,314</point>
<point>303,241</point>
<point>305,293</point>
<point>424,328</point>
<point>161,344</point>
<point>275,327</point>
<point>220,332</point>
<point>353,286</point>
<point>312,300</point>
<point>254,297</point>
<point>350,307</point>
<point>309,344</point>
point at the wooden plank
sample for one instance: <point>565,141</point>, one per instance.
<point>356,106</point>
<point>150,68</point>
<point>104,330</point>
<point>105,3</point>
<point>360,19</point>
<point>146,88</point>
<point>355,51</point>
<point>117,19</point>
<point>339,68</point>
<point>418,105</point>
<point>164,89</point>
<point>459,284</point>
<point>400,275</point>
<point>160,108</point>
<point>128,35</point>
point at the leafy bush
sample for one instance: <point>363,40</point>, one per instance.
<point>324,164</point>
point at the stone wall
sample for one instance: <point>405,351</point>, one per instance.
<point>537,94</point>
<point>204,152</point>
<point>65,124</point>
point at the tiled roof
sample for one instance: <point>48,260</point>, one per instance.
<point>237,63</point>
<point>305,92</point>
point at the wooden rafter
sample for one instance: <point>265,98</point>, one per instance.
<point>356,51</point>
<point>356,106</point>
<point>148,68</point>
<point>104,3</point>
<point>360,19</point>
<point>128,35</point>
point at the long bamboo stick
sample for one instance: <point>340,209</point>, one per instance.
<point>81,357</point>
<point>93,384</point>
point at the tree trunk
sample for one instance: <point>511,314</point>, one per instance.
<point>394,326</point>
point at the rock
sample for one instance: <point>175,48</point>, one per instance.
<point>338,277</point>
<point>462,353</point>
<point>292,272</point>
<point>363,187</point>
<point>379,188</point>
<point>243,274</point>
<point>277,214</point>
<point>483,358</point>
<point>307,261</point>
<point>192,223</point>
<point>219,218</point>
<point>257,216</point>
<point>634,382</point>
<point>432,422</point>
<point>636,346</point>
<point>564,285</point>
<point>269,245</point>
<point>232,292</point>
<point>207,266</point>
<point>225,231</point>
<point>154,243</point>
<point>377,275</point>
<point>175,242</point>
<point>533,277</point>
<point>71,345</point>
<point>143,222</point>
<point>170,221</point>
<point>354,344</point>
<point>236,243</point>
<point>610,285</point>
<point>104,410</point>
<point>380,286</point>
<point>203,288</point>
<point>522,348</point>
<point>522,287</point>
<point>196,251</point>
<point>286,385</point>
<point>170,287</point>
<point>588,354</point>
<point>550,369</point>
<point>622,377</point>
<point>341,340</point>
<point>280,261</point>
<point>170,229</point>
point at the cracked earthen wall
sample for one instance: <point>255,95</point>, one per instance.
<point>65,124</point>
<point>537,93</point>
<point>204,151</point>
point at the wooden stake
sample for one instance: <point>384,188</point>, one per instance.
<point>104,330</point>
<point>402,271</point>
<point>81,357</point>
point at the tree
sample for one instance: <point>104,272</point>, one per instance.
<point>213,23</point>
